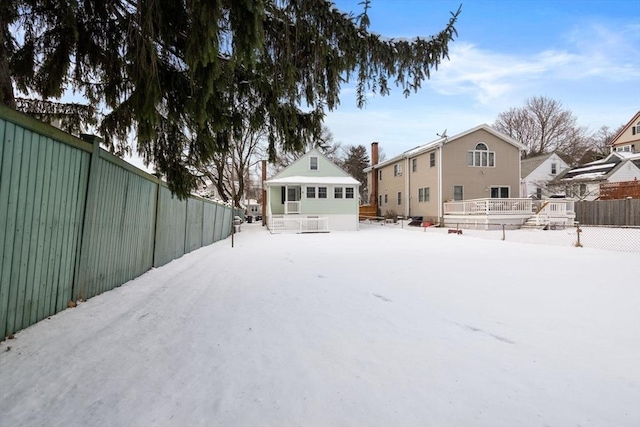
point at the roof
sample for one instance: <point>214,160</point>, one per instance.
<point>631,122</point>
<point>532,163</point>
<point>447,140</point>
<point>341,177</point>
<point>599,170</point>
<point>329,180</point>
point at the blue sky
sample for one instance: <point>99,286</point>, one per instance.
<point>584,54</point>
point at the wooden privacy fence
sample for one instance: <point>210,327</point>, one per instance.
<point>624,212</point>
<point>76,221</point>
<point>620,190</point>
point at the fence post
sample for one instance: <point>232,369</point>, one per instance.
<point>503,236</point>
<point>578,231</point>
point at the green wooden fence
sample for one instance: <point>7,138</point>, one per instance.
<point>76,221</point>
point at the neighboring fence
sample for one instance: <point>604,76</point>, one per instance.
<point>367,211</point>
<point>620,190</point>
<point>76,221</point>
<point>624,212</point>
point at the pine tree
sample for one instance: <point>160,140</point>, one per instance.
<point>356,161</point>
<point>174,72</point>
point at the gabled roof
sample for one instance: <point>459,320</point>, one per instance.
<point>337,177</point>
<point>447,140</point>
<point>529,165</point>
<point>599,170</point>
<point>635,119</point>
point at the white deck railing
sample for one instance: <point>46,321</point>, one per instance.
<point>489,207</point>
<point>557,208</point>
<point>298,224</point>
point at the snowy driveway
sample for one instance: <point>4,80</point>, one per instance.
<point>382,327</point>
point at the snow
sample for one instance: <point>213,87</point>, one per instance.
<point>385,326</point>
<point>344,180</point>
<point>598,166</point>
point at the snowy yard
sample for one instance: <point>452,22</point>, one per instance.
<point>382,327</point>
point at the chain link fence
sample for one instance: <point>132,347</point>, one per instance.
<point>612,238</point>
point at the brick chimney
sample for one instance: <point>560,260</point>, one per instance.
<point>373,195</point>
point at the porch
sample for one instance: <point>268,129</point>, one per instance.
<point>488,213</point>
<point>298,224</point>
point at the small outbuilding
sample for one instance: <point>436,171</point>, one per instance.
<point>312,194</point>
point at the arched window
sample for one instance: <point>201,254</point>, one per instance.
<point>481,156</point>
<point>636,130</point>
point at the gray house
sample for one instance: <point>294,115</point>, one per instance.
<point>312,195</point>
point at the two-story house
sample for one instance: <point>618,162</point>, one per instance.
<point>537,172</point>
<point>628,139</point>
<point>478,163</point>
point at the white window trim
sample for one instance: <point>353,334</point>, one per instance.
<point>454,192</point>
<point>315,192</point>
<point>317,163</point>
<point>326,192</point>
<point>500,187</point>
<point>476,154</point>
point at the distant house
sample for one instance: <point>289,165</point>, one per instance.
<point>537,172</point>
<point>479,163</point>
<point>583,182</point>
<point>312,195</point>
<point>628,139</point>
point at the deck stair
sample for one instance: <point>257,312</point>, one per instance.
<point>538,221</point>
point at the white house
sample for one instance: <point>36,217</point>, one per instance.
<point>583,182</point>
<point>312,195</point>
<point>537,172</point>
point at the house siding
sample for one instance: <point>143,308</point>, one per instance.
<point>330,205</point>
<point>425,177</point>
<point>627,172</point>
<point>390,185</point>
<point>301,167</point>
<point>476,181</point>
<point>541,175</point>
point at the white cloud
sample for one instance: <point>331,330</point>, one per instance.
<point>592,52</point>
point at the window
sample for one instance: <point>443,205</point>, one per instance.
<point>399,198</point>
<point>432,160</point>
<point>554,168</point>
<point>423,194</point>
<point>380,175</point>
<point>583,189</point>
<point>294,194</point>
<point>481,157</point>
<point>322,192</point>
<point>397,169</point>
<point>386,200</point>
<point>499,192</point>
<point>380,200</point>
<point>458,193</point>
<point>311,192</point>
<point>414,165</point>
<point>348,193</point>
<point>635,130</point>
<point>539,193</point>
<point>313,163</point>
<point>337,193</point>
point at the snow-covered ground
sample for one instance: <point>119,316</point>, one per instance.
<point>381,327</point>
